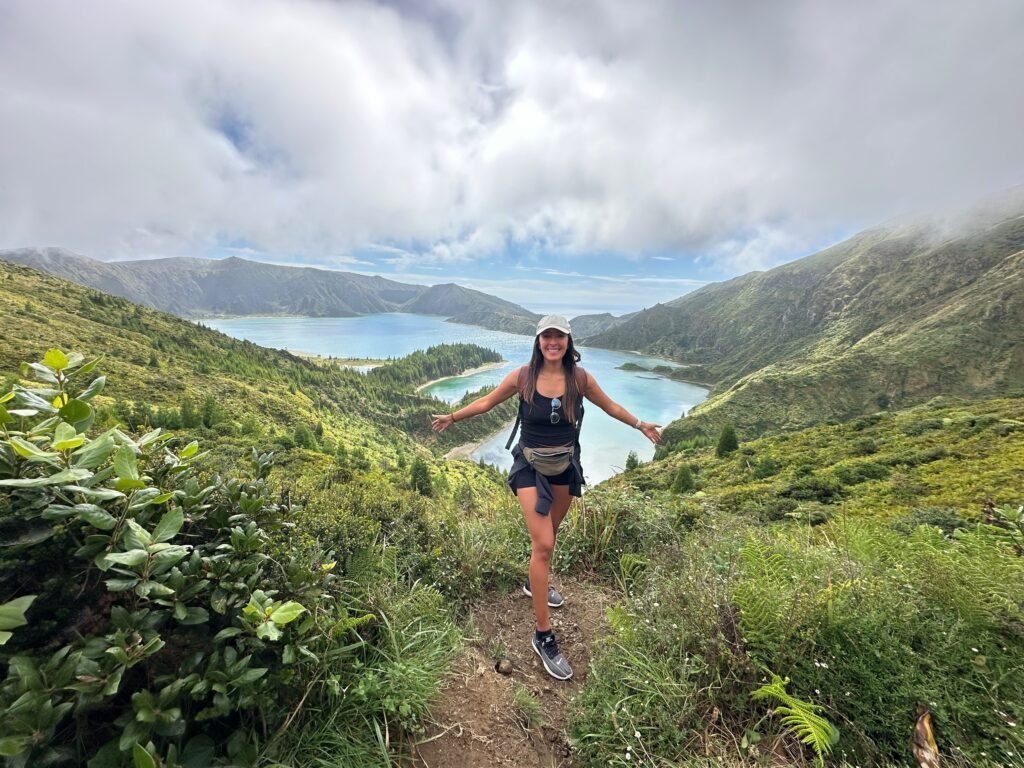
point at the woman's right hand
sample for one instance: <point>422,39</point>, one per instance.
<point>441,421</point>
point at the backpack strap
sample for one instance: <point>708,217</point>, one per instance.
<point>524,371</point>
<point>581,387</point>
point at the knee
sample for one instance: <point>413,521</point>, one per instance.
<point>542,548</point>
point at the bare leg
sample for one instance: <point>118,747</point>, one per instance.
<point>542,540</point>
<point>560,505</point>
<point>542,530</point>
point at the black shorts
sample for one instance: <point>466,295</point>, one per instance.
<point>527,478</point>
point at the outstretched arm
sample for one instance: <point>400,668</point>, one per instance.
<point>508,387</point>
<point>597,396</point>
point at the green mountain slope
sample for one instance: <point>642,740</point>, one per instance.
<point>868,564</point>
<point>464,305</point>
<point>254,395</point>
<point>201,287</point>
<point>891,317</point>
<point>585,326</point>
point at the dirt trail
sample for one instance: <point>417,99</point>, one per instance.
<point>475,722</point>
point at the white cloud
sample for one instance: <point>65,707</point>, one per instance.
<point>439,132</point>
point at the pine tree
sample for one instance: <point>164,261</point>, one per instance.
<point>727,442</point>
<point>683,481</point>
<point>632,461</point>
<point>420,478</point>
<point>211,412</point>
<point>189,417</point>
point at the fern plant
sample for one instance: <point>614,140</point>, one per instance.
<point>799,717</point>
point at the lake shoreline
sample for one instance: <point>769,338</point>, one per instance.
<point>391,336</point>
<point>470,372</point>
<point>465,450</point>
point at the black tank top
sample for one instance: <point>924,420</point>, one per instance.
<point>535,423</point>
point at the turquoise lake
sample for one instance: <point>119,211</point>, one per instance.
<point>605,441</point>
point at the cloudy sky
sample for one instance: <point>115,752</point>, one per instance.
<point>570,156</point>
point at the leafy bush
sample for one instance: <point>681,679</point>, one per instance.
<point>814,488</point>
<point>168,627</point>
<point>946,519</point>
<point>864,446</point>
<point>766,466</point>
<point>852,474</point>
<point>773,509</point>
<point>920,427</point>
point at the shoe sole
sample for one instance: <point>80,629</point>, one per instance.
<point>528,593</point>
<point>546,667</point>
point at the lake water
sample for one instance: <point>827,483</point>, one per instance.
<point>605,442</point>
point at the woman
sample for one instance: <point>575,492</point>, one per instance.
<point>546,472</point>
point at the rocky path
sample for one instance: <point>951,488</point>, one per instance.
<point>485,719</point>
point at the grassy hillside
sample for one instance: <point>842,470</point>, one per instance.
<point>190,603</point>
<point>242,393</point>
<point>875,566</point>
<point>888,318</point>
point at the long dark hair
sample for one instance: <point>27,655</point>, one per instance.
<point>572,390</point>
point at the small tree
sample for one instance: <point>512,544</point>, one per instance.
<point>210,411</point>
<point>683,481</point>
<point>189,417</point>
<point>419,477</point>
<point>304,438</point>
<point>727,442</point>
<point>632,461</point>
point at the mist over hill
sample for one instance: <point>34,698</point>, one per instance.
<point>889,318</point>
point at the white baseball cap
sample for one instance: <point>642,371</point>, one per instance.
<point>557,322</point>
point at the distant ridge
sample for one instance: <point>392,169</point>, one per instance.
<point>191,287</point>
<point>891,317</point>
<point>586,326</point>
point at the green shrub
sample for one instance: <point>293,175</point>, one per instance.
<point>852,474</point>
<point>183,628</point>
<point>167,626</point>
<point>727,441</point>
<point>863,446</point>
<point>814,488</point>
<point>419,478</point>
<point>773,508</point>
<point>766,466</point>
<point>683,480</point>
<point>946,519</point>
<point>915,428</point>
<point>632,461</point>
<point>864,422</point>
<point>911,458</point>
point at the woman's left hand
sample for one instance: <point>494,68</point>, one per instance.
<point>650,430</point>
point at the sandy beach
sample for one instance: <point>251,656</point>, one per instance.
<point>470,372</point>
<point>463,451</point>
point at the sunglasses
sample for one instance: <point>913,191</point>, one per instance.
<point>555,405</point>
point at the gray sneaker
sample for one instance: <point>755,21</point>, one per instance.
<point>554,662</point>
<point>555,599</point>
